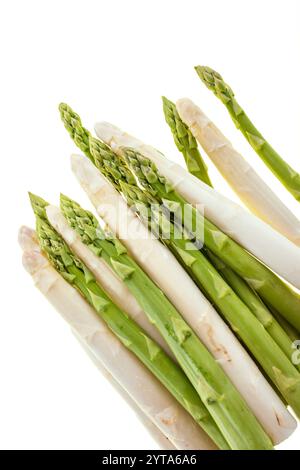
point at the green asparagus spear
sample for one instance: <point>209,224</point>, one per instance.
<point>185,142</point>
<point>285,325</point>
<point>128,332</point>
<point>284,172</point>
<point>239,427</point>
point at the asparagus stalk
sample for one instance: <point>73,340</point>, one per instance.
<point>136,340</point>
<point>185,142</point>
<point>253,234</point>
<point>266,283</point>
<point>165,271</point>
<point>282,170</point>
<point>257,339</point>
<point>151,397</point>
<point>209,380</point>
<point>292,333</point>
<point>243,179</point>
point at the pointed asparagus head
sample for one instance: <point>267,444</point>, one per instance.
<point>49,240</point>
<point>88,227</point>
<point>65,262</point>
<point>168,108</point>
<point>100,151</point>
<point>145,172</point>
<point>38,205</point>
<point>214,81</point>
<point>73,124</point>
<point>54,247</point>
<point>136,195</point>
<point>183,138</point>
<point>81,220</point>
<point>144,169</point>
<point>111,165</point>
<point>185,142</point>
<point>27,239</point>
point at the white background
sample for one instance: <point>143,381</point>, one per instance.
<point>113,60</point>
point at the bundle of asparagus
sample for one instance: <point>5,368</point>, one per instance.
<point>153,400</point>
<point>249,231</point>
<point>190,315</point>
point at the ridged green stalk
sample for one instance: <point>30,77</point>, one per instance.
<point>257,307</point>
<point>233,417</point>
<point>185,142</point>
<point>284,172</point>
<point>272,289</point>
<point>289,329</point>
<point>127,331</point>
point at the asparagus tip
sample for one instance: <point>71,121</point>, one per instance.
<point>215,82</point>
<point>63,198</point>
<point>167,104</point>
<point>38,204</point>
<point>62,106</point>
<point>27,238</point>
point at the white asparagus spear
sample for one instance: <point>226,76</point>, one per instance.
<point>248,185</point>
<point>114,287</point>
<point>161,440</point>
<point>269,246</point>
<point>165,270</point>
<point>152,398</point>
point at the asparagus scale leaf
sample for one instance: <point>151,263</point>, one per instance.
<point>284,172</point>
<point>126,330</point>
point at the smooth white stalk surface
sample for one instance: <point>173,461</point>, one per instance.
<point>167,273</point>
<point>243,179</point>
<point>269,246</point>
<point>150,396</point>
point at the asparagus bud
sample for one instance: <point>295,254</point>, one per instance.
<point>185,142</point>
